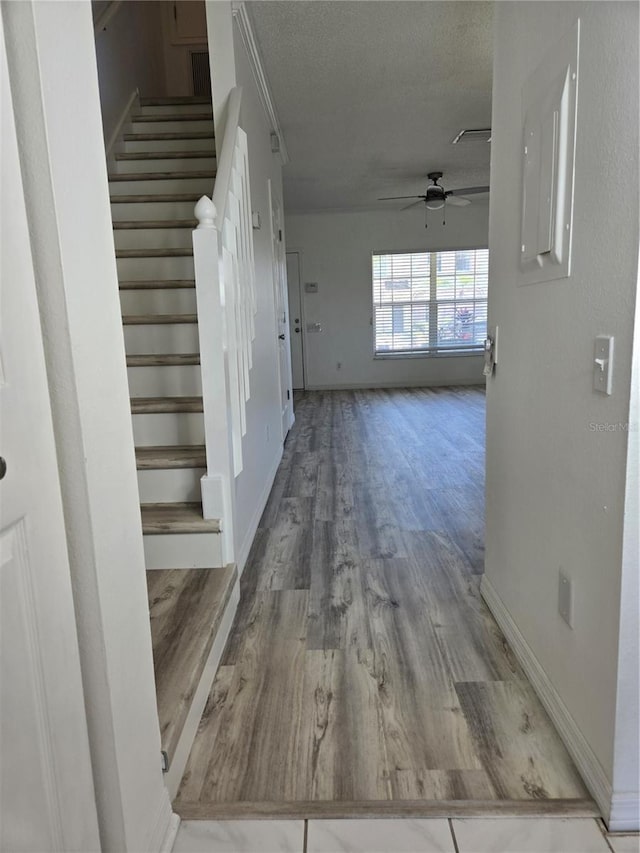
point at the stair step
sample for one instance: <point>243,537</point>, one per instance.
<point>154,253</point>
<point>157,319</point>
<point>155,284</point>
<point>154,223</point>
<point>165,405</point>
<point>170,359</point>
<point>167,136</point>
<point>170,518</point>
<point>164,155</point>
<point>175,99</point>
<point>146,119</point>
<point>160,176</point>
<point>185,456</point>
<point>186,607</point>
<point>160,197</point>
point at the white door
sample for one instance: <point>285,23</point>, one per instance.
<point>295,319</point>
<point>281,307</point>
<point>46,787</point>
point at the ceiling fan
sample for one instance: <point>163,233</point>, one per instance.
<point>436,196</point>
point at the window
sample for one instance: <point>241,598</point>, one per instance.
<point>430,302</point>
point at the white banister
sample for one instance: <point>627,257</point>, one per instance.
<point>226,302</point>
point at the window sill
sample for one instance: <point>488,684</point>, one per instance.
<point>392,356</point>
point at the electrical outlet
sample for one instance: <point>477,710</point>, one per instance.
<point>565,598</point>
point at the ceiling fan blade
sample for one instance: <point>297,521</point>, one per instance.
<point>468,191</point>
<point>458,201</point>
<point>396,197</point>
<point>413,204</point>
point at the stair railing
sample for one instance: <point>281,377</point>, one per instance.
<point>226,304</point>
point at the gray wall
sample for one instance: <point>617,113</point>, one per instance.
<point>555,484</point>
<point>335,251</point>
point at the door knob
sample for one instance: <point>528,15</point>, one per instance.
<point>3,468</point>
<point>297,330</point>
<point>281,337</point>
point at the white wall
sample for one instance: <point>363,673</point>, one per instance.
<point>261,446</point>
<point>555,484</point>
<point>130,56</point>
<point>55,92</point>
<point>335,251</point>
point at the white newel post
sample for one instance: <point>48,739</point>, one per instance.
<point>218,483</point>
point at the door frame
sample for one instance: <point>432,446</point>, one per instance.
<point>303,329</point>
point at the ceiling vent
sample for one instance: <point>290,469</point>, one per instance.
<point>482,135</point>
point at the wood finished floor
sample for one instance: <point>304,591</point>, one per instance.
<point>363,665</point>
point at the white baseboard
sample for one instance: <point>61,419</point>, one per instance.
<point>170,837</point>
<point>164,830</point>
<point>583,756</point>
<point>411,383</point>
<point>625,812</point>
<point>247,542</point>
<point>187,736</point>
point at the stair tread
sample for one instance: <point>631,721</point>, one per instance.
<point>144,198</point>
<point>167,100</point>
<point>163,359</point>
<point>171,456</point>
<point>165,155</point>
<point>158,284</point>
<point>172,518</point>
<point>167,135</point>
<point>136,224</point>
<point>161,176</point>
<point>163,405</point>
<point>203,116</point>
<point>158,319</point>
<point>186,607</point>
<point>154,253</point>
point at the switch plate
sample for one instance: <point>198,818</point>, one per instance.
<point>603,364</point>
<point>311,287</point>
<point>565,598</point>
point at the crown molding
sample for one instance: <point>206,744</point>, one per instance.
<point>241,16</point>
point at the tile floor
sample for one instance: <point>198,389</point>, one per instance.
<point>472,835</point>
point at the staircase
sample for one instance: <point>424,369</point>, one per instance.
<point>163,165</point>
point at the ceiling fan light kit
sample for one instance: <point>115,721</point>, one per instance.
<point>436,196</point>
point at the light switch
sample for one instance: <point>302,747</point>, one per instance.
<point>311,287</point>
<point>603,364</point>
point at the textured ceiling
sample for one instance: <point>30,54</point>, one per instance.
<point>371,93</point>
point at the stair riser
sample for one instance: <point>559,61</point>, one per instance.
<point>170,485</point>
<point>206,144</point>
<point>166,429</point>
<point>175,301</point>
<point>191,164</point>
<point>169,126</point>
<point>168,381</point>
<point>183,551</point>
<point>174,109</point>
<point>153,238</point>
<point>155,210</point>
<point>167,338</point>
<point>162,186</point>
<point>136,269</point>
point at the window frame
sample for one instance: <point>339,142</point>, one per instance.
<point>452,352</point>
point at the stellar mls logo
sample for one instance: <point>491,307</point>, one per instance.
<point>616,427</point>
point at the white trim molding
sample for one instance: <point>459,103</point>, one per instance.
<point>125,116</point>
<point>584,757</point>
<point>163,832</point>
<point>625,812</point>
<point>245,548</point>
<point>241,16</point>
